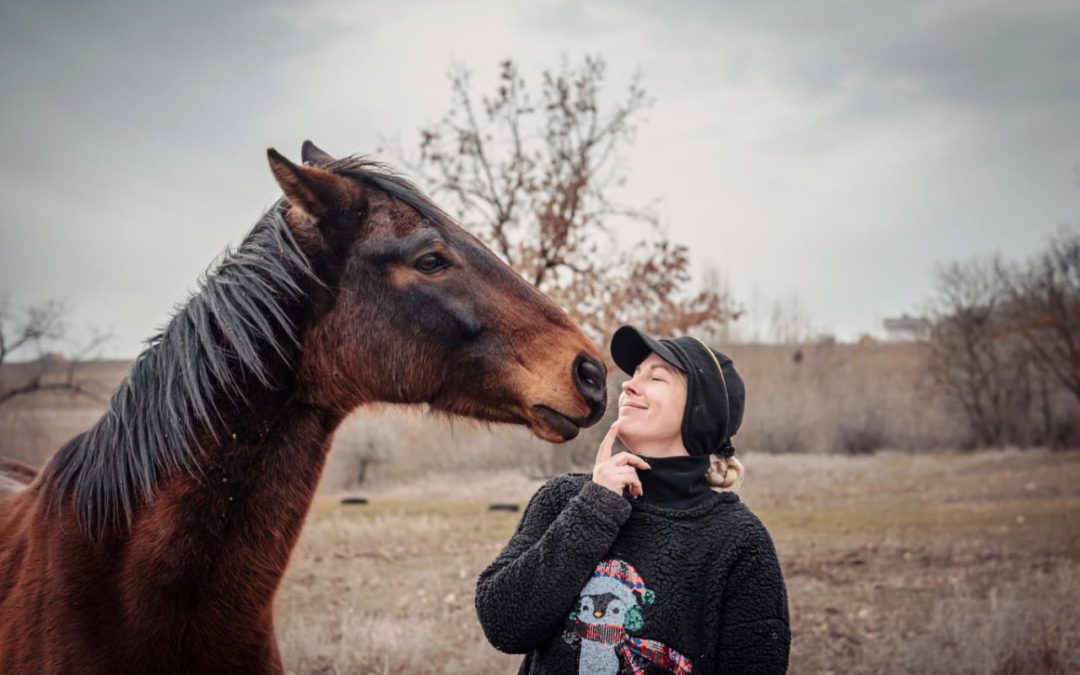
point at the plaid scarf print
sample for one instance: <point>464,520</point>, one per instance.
<point>636,652</point>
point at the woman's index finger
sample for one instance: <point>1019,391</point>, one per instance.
<point>604,452</point>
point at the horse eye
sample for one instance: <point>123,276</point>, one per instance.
<point>431,263</point>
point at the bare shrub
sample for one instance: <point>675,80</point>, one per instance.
<point>784,435</point>
<point>863,436</point>
<point>1064,433</point>
<point>358,448</point>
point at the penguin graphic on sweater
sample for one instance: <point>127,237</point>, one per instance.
<point>609,608</point>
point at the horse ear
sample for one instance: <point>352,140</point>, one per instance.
<point>313,155</point>
<point>315,191</point>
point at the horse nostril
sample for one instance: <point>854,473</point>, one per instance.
<point>590,378</point>
<point>590,373</point>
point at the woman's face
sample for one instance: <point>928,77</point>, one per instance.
<point>651,403</point>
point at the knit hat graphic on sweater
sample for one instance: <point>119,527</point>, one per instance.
<point>621,580</point>
<point>609,608</point>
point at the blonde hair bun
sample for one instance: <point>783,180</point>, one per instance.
<point>725,472</point>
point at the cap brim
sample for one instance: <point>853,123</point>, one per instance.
<point>629,347</point>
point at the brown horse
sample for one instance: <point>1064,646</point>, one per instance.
<point>154,542</point>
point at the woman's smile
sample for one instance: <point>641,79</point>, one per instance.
<point>651,408</point>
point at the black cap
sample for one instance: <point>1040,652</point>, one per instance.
<point>715,393</point>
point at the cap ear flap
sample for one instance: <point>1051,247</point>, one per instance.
<point>702,420</point>
<point>317,192</point>
<point>736,394</point>
<point>633,619</point>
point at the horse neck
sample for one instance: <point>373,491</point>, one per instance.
<point>230,526</point>
<point>230,529</point>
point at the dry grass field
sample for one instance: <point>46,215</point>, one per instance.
<point>949,563</point>
<point>897,562</point>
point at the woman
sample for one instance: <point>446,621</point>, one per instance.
<point>642,567</point>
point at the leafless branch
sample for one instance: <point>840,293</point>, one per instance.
<point>41,325</point>
<point>535,178</point>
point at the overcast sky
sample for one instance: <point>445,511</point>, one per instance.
<point>831,151</point>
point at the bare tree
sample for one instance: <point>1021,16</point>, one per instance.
<point>717,281</point>
<point>534,177</point>
<point>975,356</point>
<point>32,330</point>
<point>789,323</point>
<point>1043,307</point>
<point>361,444</point>
<point>362,455</point>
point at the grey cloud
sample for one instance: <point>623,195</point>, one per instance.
<point>131,133</point>
<point>1002,54</point>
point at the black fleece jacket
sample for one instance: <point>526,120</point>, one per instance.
<point>682,580</point>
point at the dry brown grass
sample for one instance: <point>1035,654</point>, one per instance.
<point>388,588</point>
<point>959,563</point>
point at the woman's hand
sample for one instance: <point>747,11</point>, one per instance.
<point>617,472</point>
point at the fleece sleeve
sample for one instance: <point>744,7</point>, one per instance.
<point>755,634</point>
<point>525,594</point>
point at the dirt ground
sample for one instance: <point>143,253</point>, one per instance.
<point>895,563</point>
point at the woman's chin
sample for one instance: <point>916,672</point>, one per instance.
<point>626,433</point>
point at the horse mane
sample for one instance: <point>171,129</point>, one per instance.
<point>169,394</point>
<point>172,388</point>
<point>384,178</point>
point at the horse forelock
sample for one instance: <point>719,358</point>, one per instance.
<point>385,179</point>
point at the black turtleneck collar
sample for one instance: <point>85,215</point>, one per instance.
<point>675,482</point>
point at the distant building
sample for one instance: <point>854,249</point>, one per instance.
<point>906,328</point>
